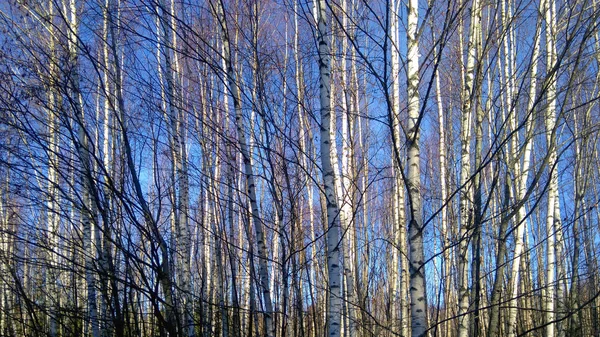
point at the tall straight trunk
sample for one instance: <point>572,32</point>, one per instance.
<point>354,235</point>
<point>333,221</point>
<point>335,162</point>
<point>88,216</point>
<point>346,199</point>
<point>107,264</point>
<point>335,166</point>
<point>465,172</point>
<point>477,215</point>
<point>591,262</point>
<point>177,121</point>
<point>477,328</point>
<point>163,270</point>
<point>393,271</point>
<point>334,92</point>
<point>400,270</point>
<point>364,141</point>
<point>549,8</point>
<point>522,175</point>
<point>168,104</point>
<point>445,239</point>
<point>418,295</point>
<point>280,255</point>
<point>498,287</point>
<point>248,171</point>
<point>54,103</point>
<point>306,153</point>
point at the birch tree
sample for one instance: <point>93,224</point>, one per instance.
<point>248,171</point>
<point>333,221</point>
<point>465,172</point>
<point>549,8</point>
<point>159,169</point>
<point>418,295</point>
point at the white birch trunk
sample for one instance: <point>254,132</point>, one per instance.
<point>53,219</point>
<point>522,175</point>
<point>87,213</point>
<point>549,10</point>
<point>346,207</point>
<point>250,183</point>
<point>418,295</point>
<point>333,220</point>
<point>445,239</point>
<point>465,172</point>
<point>396,300</point>
<point>399,253</point>
<point>181,162</point>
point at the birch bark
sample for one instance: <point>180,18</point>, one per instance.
<point>465,172</point>
<point>248,170</point>
<point>53,201</point>
<point>88,216</point>
<point>333,220</point>
<point>418,295</point>
<point>549,9</point>
<point>346,198</point>
<point>522,175</point>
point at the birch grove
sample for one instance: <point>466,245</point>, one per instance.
<point>303,168</point>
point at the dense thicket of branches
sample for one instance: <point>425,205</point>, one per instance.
<point>258,168</point>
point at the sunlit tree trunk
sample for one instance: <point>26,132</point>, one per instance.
<point>549,10</point>
<point>88,208</point>
<point>399,273</point>
<point>110,286</point>
<point>465,173</point>
<point>393,271</point>
<point>178,120</point>
<point>521,172</point>
<point>418,295</point>
<point>333,221</point>
<point>54,103</point>
<point>261,243</point>
<point>306,153</point>
<point>445,239</point>
<point>166,79</point>
<point>478,211</point>
<point>346,197</point>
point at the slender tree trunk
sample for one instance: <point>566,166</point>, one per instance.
<point>522,176</point>
<point>248,170</point>
<point>88,214</point>
<point>178,123</point>
<point>54,103</point>
<point>347,174</point>
<point>398,187</point>
<point>418,294</point>
<point>445,239</point>
<point>550,124</point>
<point>465,183</point>
<point>400,270</point>
<point>333,221</point>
